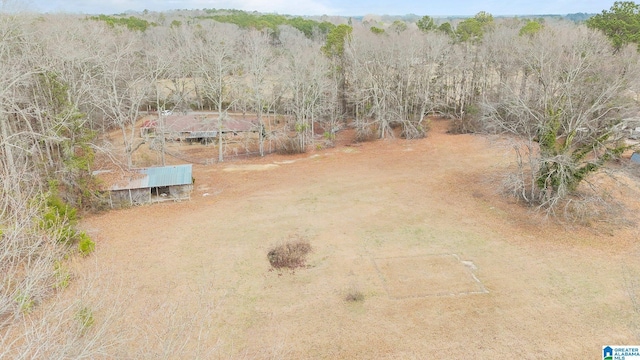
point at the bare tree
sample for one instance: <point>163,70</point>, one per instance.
<point>258,56</point>
<point>125,82</point>
<point>213,55</point>
<point>570,113</point>
<point>388,76</point>
<point>502,49</point>
<point>305,78</point>
<point>18,135</point>
<point>334,48</point>
<point>433,52</point>
<point>166,62</point>
<point>37,119</point>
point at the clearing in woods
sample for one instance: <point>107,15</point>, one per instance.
<point>445,265</point>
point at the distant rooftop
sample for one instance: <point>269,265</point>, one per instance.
<point>194,122</point>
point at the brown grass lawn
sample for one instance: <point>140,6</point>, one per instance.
<point>448,268</point>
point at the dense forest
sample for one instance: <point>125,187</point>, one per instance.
<point>567,90</point>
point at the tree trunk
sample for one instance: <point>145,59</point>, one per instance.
<point>12,179</point>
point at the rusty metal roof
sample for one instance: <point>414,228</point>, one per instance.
<point>197,122</point>
<point>158,177</point>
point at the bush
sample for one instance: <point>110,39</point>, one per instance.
<point>25,302</point>
<point>85,318</point>
<point>465,125</point>
<point>85,245</point>
<point>291,255</point>
<point>365,133</point>
<point>413,130</point>
<point>57,218</point>
<point>290,146</point>
<point>354,295</point>
<point>61,274</point>
<point>329,139</point>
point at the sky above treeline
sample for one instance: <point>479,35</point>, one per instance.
<point>327,7</point>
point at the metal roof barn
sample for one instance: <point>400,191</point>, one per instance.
<point>152,185</point>
<point>159,177</point>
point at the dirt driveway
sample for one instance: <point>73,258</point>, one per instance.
<point>448,269</point>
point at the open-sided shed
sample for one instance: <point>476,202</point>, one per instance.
<point>150,185</point>
<point>201,127</point>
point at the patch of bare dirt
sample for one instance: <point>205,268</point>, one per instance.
<point>542,290</point>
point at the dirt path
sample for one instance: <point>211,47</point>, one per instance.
<point>446,266</point>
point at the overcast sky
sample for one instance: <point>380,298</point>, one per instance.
<point>330,7</point>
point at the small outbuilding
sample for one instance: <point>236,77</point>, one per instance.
<point>151,185</point>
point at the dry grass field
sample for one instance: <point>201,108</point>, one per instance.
<point>414,256</point>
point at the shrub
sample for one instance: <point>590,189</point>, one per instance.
<point>290,146</point>
<point>85,245</point>
<point>329,139</point>
<point>61,274</point>
<point>465,125</point>
<point>354,295</point>
<point>58,218</point>
<point>25,302</point>
<point>85,318</point>
<point>365,133</point>
<point>291,255</point>
<point>413,130</point>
